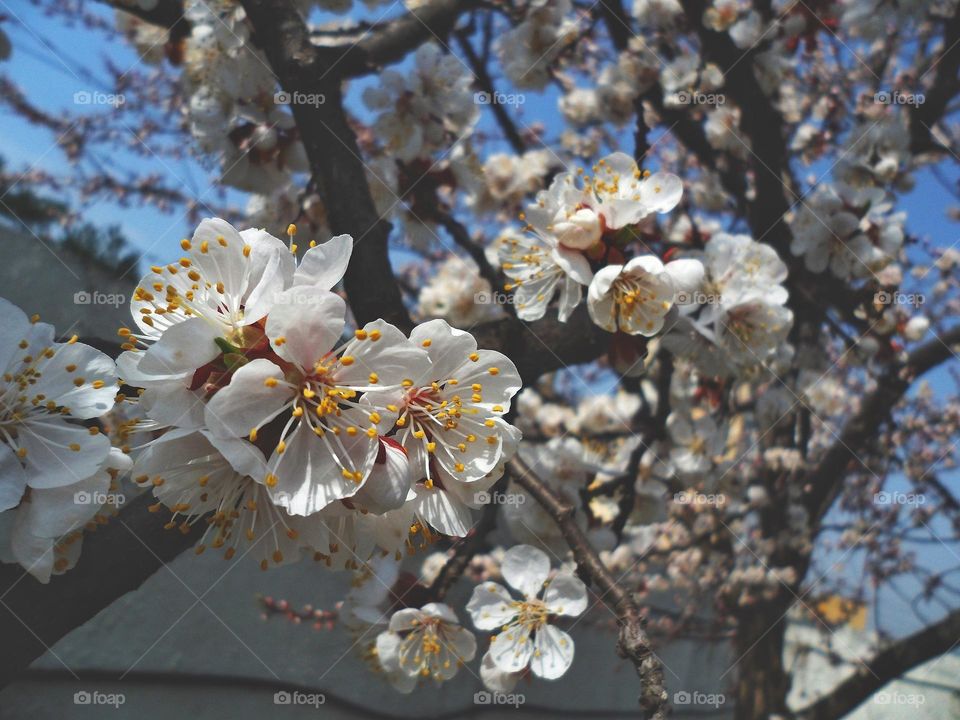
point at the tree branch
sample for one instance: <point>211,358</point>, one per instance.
<point>887,665</point>
<point>163,13</point>
<point>544,345</point>
<point>392,41</point>
<point>461,236</point>
<point>485,82</point>
<point>945,84</point>
<point>334,155</point>
<point>825,481</point>
<point>633,643</point>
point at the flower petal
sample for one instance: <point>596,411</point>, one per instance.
<point>490,606</point>
<point>13,480</point>
<point>512,649</point>
<point>305,323</point>
<point>552,654</point>
<point>495,679</point>
<point>391,356</point>
<point>443,512</point>
<point>53,512</point>
<point>256,394</point>
<point>51,459</point>
<point>324,265</point>
<point>566,595</point>
<point>525,568</point>
<point>181,348</point>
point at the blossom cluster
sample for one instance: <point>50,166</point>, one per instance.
<point>58,472</point>
<point>430,643</point>
<point>289,430</point>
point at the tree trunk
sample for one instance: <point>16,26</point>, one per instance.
<point>762,685</point>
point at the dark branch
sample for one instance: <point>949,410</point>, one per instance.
<point>889,664</point>
<point>461,236</point>
<point>485,83</point>
<point>633,644</point>
<point>825,481</point>
<point>392,41</point>
<point>943,89</point>
<point>334,156</point>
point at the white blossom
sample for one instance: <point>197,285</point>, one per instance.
<point>526,634</point>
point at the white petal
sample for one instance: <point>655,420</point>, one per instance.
<point>248,401</point>
<point>447,347</point>
<point>687,274</point>
<point>574,264</point>
<point>54,512</point>
<point>264,249</point>
<point>566,595</point>
<point>175,404</point>
<point>495,679</point>
<point>50,462</point>
<point>91,366</point>
<point>661,192</point>
<point>646,263</point>
<point>309,477</point>
<point>405,619</point>
<point>552,654</point>
<point>34,553</point>
<point>442,611</point>
<point>13,480</point>
<point>183,347</point>
<point>305,323</point>
<point>324,265</point>
<point>570,294</point>
<point>388,484</point>
<point>262,296</point>
<point>443,512</point>
<point>525,568</point>
<point>512,649</point>
<point>14,327</point>
<point>388,651</point>
<point>223,260</point>
<point>392,357</point>
<point>490,606</point>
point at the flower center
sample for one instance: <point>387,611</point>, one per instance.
<point>532,614</point>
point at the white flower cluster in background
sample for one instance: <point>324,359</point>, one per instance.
<point>738,318</point>
<point>427,109</point>
<point>578,225</point>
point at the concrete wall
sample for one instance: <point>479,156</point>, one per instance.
<point>70,290</point>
